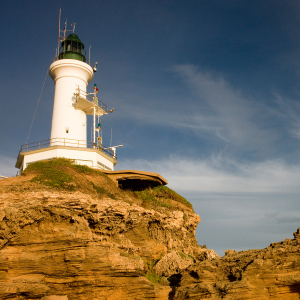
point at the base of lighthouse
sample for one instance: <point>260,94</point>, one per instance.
<point>93,158</point>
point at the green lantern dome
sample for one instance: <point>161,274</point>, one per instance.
<point>72,48</point>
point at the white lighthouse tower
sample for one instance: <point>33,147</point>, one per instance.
<point>71,75</point>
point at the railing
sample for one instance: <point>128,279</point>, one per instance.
<point>90,97</point>
<point>67,143</point>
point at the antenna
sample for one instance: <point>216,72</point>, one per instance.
<point>73,25</point>
<point>62,35</point>
<point>90,54</point>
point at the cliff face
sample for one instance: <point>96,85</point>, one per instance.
<point>84,244</point>
<point>68,232</point>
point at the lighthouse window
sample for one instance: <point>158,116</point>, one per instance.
<point>67,130</point>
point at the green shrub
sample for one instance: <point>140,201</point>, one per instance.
<point>161,196</point>
<point>52,173</point>
<point>151,275</point>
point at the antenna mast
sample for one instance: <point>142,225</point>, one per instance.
<point>63,37</point>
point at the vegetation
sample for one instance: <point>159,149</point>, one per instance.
<point>151,275</point>
<point>162,196</point>
<point>52,173</point>
<point>101,191</point>
<point>64,174</point>
<point>184,256</point>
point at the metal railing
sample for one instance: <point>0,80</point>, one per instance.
<point>90,97</point>
<point>67,143</point>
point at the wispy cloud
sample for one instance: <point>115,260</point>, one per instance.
<point>235,118</point>
<point>241,205</point>
<point>219,174</point>
<point>214,109</point>
<point>289,112</point>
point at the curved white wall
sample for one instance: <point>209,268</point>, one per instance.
<point>68,122</point>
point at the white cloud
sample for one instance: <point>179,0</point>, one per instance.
<point>242,205</point>
<point>7,166</point>
<point>219,174</point>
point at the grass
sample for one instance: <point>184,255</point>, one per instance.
<point>64,174</point>
<point>101,191</point>
<point>52,173</point>
<point>161,196</point>
<point>151,275</point>
<point>187,256</point>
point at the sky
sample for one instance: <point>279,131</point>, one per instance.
<point>205,92</point>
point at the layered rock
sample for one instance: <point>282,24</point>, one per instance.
<point>271,273</point>
<point>74,245</point>
<point>69,232</point>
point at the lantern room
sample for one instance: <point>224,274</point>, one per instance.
<point>72,48</point>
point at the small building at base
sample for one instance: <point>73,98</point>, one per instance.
<point>93,158</point>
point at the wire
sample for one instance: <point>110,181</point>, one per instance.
<point>110,136</point>
<point>37,105</point>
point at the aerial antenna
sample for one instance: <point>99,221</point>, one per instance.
<point>90,54</point>
<point>73,25</point>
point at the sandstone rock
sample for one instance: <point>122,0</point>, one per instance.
<point>100,242</point>
<point>55,297</point>
<point>173,263</point>
<point>271,273</point>
<point>76,246</point>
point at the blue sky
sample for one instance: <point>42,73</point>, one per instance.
<point>206,93</point>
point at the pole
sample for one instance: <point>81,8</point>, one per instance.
<point>94,125</point>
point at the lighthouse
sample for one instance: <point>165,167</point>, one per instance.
<point>72,104</point>
<point>69,73</point>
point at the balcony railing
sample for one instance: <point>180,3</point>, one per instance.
<point>67,143</point>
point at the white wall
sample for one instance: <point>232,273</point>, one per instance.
<point>68,122</point>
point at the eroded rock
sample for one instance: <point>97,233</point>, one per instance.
<point>271,273</point>
<point>70,245</point>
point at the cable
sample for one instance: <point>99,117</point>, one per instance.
<point>37,105</point>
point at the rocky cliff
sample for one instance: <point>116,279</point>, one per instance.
<point>271,273</point>
<point>69,232</point>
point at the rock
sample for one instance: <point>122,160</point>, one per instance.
<point>55,297</point>
<point>173,263</point>
<point>71,245</point>
<point>271,273</point>
<point>93,240</point>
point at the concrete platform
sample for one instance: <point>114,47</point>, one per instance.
<point>135,180</point>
